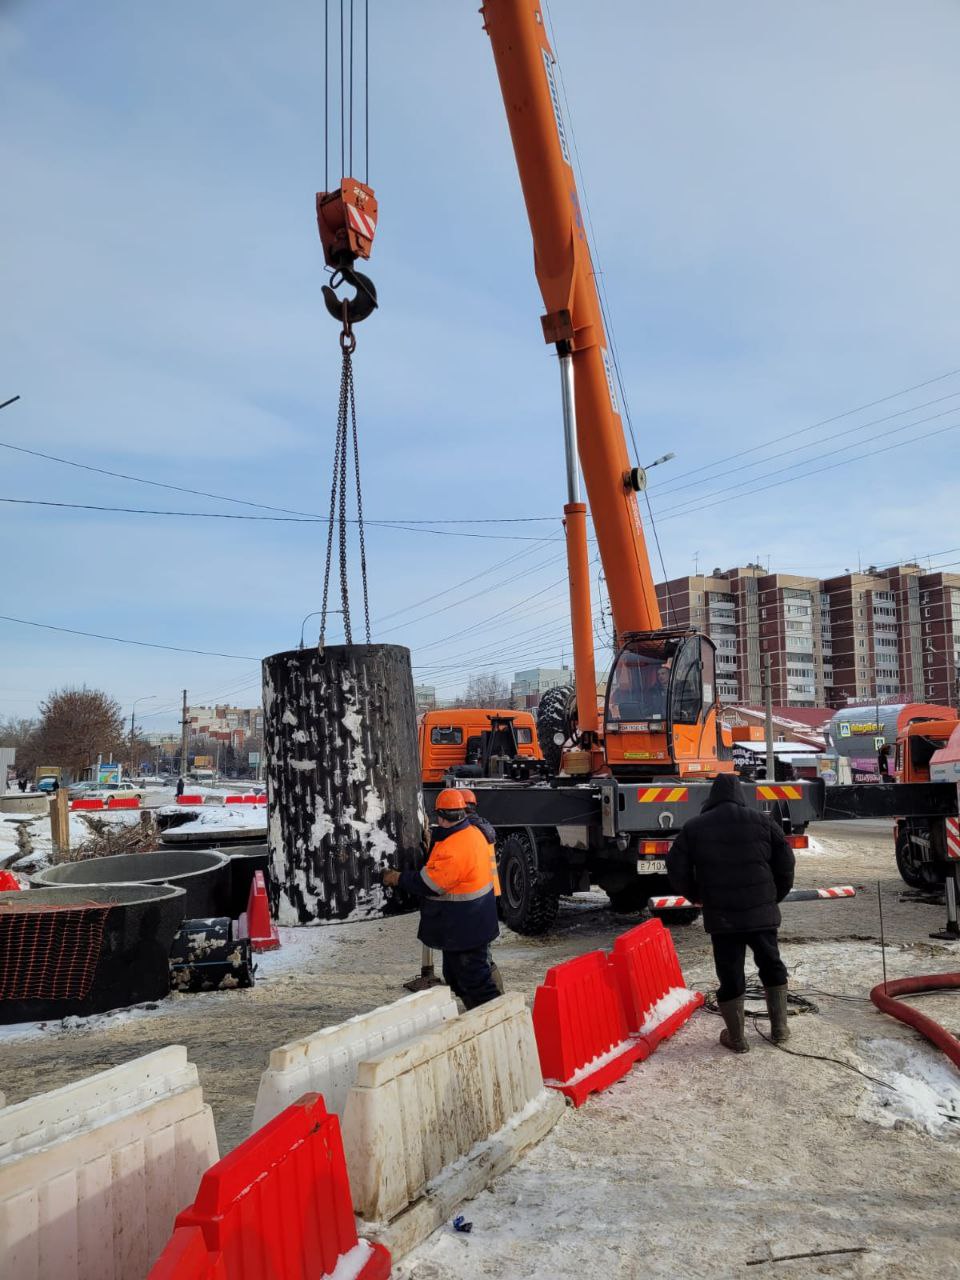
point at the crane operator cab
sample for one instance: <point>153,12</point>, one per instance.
<point>661,709</point>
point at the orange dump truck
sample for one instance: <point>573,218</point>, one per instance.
<point>454,737</point>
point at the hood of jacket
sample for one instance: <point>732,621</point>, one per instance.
<point>726,789</point>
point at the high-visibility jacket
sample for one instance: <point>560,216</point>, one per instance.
<point>490,835</point>
<point>458,910</point>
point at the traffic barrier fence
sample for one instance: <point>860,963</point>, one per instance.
<point>581,1028</point>
<point>278,1207</point>
<point>429,1123</point>
<point>99,1202</point>
<point>326,1061</point>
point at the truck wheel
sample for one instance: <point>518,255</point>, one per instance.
<point>553,717</point>
<point>525,906</point>
<point>914,871</point>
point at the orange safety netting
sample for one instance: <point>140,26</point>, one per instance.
<point>50,952</point>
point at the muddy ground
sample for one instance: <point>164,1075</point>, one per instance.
<point>701,1163</point>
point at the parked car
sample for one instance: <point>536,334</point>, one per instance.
<point>107,791</point>
<point>47,785</point>
<point>79,790</point>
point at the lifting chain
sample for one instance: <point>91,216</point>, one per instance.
<point>346,424</point>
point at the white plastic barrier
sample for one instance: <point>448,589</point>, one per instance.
<point>429,1124</point>
<point>99,1202</point>
<point>326,1061</point>
<point>84,1103</point>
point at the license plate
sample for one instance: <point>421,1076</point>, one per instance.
<point>651,867</point>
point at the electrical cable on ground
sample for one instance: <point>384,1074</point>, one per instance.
<point>802,1004</point>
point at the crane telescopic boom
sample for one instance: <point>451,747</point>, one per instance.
<point>528,81</point>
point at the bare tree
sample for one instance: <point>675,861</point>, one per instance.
<point>15,731</point>
<point>486,691</point>
<point>76,726</point>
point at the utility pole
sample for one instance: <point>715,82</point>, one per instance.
<point>133,716</point>
<point>768,716</point>
<point>183,737</point>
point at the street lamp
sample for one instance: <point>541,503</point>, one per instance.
<point>637,477</point>
<point>148,697</point>
<point>316,614</point>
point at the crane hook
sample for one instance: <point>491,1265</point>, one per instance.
<point>354,309</point>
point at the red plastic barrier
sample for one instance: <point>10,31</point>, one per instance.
<point>9,882</point>
<point>278,1207</point>
<point>123,802</point>
<point>245,799</point>
<point>645,968</point>
<point>883,996</point>
<point>582,1035</point>
<point>255,921</point>
<point>233,799</point>
<point>189,799</point>
<point>86,804</point>
<point>185,1257</point>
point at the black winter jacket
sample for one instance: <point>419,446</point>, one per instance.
<point>733,860</point>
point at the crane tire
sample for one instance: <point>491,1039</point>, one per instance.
<point>914,871</point>
<point>554,715</point>
<point>525,906</point>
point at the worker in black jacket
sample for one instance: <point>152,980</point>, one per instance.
<point>737,863</point>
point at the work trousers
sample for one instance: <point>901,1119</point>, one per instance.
<point>468,975</point>
<point>729,954</point>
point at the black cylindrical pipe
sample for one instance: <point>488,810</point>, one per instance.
<point>343,779</point>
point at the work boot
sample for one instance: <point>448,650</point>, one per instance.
<point>777,1009</point>
<point>731,1037</point>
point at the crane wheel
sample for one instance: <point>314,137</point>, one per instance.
<point>914,870</point>
<point>525,906</point>
<point>555,714</point>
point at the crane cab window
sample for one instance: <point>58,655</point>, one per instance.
<point>638,686</point>
<point>442,735</point>
<point>687,686</point>
<point>524,736</point>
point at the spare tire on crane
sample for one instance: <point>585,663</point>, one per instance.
<point>556,714</point>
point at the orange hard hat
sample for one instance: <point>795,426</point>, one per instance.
<point>468,795</point>
<point>450,800</point>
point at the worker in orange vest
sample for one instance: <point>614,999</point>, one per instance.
<point>458,909</point>
<point>489,833</point>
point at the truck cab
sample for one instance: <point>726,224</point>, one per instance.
<point>452,739</point>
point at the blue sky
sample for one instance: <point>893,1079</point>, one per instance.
<point>774,196</point>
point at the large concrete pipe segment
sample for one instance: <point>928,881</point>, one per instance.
<point>343,779</point>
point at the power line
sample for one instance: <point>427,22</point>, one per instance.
<point>142,644</point>
<point>246,502</point>
<point>686,508</point>
<point>824,422</point>
<point>668,487</point>
<point>231,515</point>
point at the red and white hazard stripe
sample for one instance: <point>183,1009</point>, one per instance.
<point>953,839</point>
<point>665,904</point>
<point>361,222</point>
<point>838,891</point>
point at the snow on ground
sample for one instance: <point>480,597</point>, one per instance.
<point>229,818</point>
<point>925,1092</point>
<point>9,844</point>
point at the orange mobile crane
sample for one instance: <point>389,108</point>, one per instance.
<point>627,783</point>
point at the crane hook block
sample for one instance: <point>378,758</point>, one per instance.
<point>347,221</point>
<point>363,302</point>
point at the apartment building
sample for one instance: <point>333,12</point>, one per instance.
<point>881,634</point>
<point>225,724</point>
<point>425,697</point>
<point>749,613</point>
<point>529,686</point>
